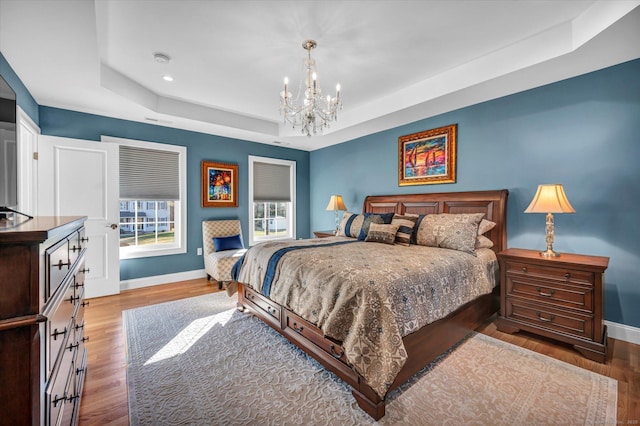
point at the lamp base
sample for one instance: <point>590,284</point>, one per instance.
<point>549,253</point>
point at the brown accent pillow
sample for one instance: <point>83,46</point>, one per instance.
<point>405,228</point>
<point>382,233</point>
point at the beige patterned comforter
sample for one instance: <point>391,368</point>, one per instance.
<point>371,295</point>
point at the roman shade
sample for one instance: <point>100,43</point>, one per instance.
<point>149,174</point>
<point>271,183</point>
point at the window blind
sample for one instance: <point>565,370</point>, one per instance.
<point>149,174</point>
<point>271,183</point>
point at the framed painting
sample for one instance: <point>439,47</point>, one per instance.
<point>219,184</point>
<point>427,157</point>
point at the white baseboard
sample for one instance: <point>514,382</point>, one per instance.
<point>161,279</point>
<point>623,332</point>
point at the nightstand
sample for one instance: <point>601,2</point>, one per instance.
<point>559,298</point>
<point>324,234</point>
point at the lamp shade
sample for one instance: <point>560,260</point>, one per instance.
<point>550,198</point>
<point>336,203</point>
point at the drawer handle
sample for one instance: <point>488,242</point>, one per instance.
<point>85,270</point>
<point>73,300</point>
<point>74,248</point>
<point>60,264</point>
<point>78,327</point>
<point>249,296</point>
<point>296,328</point>
<point>541,318</point>
<point>71,398</point>
<point>567,276</point>
<point>78,285</point>
<point>79,370</point>
<point>56,400</point>
<point>271,311</point>
<point>85,339</point>
<point>56,333</point>
<point>71,347</point>
<point>85,303</point>
<point>541,293</point>
<point>84,239</point>
<point>524,269</point>
<point>334,354</point>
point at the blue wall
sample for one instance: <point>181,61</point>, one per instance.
<point>23,97</point>
<point>583,132</point>
<point>200,146</point>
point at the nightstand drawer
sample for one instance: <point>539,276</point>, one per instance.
<point>559,274</point>
<point>553,319</point>
<point>542,291</point>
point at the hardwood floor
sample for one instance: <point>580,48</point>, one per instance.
<point>104,401</point>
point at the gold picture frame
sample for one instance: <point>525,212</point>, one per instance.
<point>219,184</point>
<point>428,157</point>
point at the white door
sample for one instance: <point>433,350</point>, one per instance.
<point>80,178</point>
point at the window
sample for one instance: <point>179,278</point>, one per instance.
<point>152,193</point>
<point>272,199</point>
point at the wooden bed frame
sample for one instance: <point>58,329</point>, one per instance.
<point>424,345</point>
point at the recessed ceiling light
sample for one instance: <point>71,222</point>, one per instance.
<point>161,58</point>
<point>167,78</point>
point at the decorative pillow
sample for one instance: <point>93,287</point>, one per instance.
<point>414,234</point>
<point>483,242</point>
<point>232,242</point>
<point>405,228</point>
<point>382,233</point>
<point>485,226</point>
<point>452,231</point>
<point>357,225</point>
<point>386,217</point>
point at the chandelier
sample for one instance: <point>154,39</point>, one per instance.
<point>309,110</point>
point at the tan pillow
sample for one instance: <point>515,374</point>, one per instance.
<point>382,233</point>
<point>452,231</point>
<point>485,226</point>
<point>483,242</point>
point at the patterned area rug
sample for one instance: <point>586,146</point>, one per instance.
<point>199,361</point>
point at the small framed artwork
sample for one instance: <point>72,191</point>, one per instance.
<point>219,184</point>
<point>427,157</point>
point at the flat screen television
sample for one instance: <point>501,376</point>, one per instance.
<point>8,147</point>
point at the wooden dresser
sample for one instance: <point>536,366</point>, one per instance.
<point>560,298</point>
<point>42,353</point>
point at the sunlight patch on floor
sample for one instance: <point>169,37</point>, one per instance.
<point>190,335</point>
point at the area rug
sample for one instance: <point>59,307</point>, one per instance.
<point>199,361</point>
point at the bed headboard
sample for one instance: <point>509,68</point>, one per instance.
<point>492,203</point>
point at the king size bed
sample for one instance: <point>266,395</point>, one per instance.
<point>373,313</point>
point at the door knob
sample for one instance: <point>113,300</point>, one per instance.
<point>113,226</point>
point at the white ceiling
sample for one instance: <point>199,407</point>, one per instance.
<point>397,61</point>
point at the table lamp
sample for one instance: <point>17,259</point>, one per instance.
<point>550,198</point>
<point>336,204</point>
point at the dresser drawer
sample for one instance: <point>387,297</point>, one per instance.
<point>58,391</point>
<point>551,274</point>
<point>59,327</point>
<point>58,265</point>
<point>262,303</point>
<point>541,291</point>
<point>314,335</point>
<point>550,318</point>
